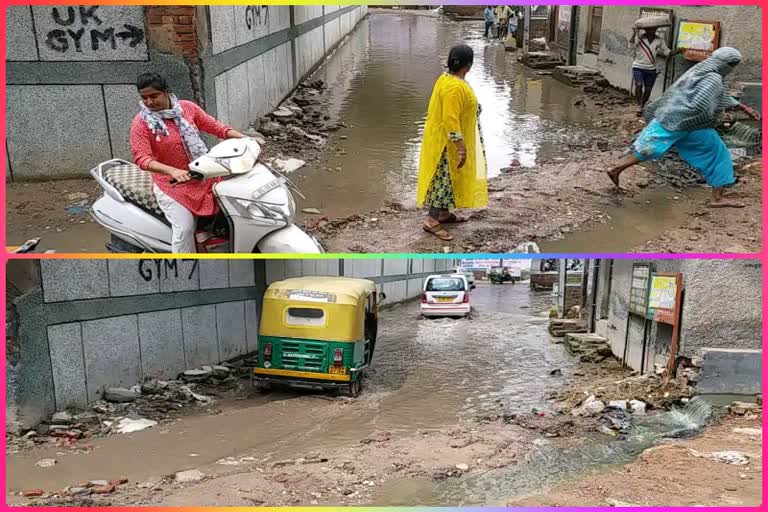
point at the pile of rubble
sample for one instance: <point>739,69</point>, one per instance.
<point>298,126</point>
<point>590,348</point>
<point>126,410</point>
<point>559,327</point>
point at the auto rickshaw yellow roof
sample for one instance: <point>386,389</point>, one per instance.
<point>345,290</point>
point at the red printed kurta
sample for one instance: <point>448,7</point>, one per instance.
<point>196,196</point>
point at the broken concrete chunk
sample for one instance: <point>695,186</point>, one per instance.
<point>753,432</point>
<point>197,375</point>
<point>462,467</point>
<point>120,395</point>
<point>590,407</point>
<point>729,457</point>
<point>61,418</point>
<point>637,407</point>
<point>742,408</point>
<point>45,463</point>
<point>189,476</point>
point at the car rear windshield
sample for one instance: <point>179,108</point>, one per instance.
<point>445,284</point>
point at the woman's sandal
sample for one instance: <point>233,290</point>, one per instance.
<point>438,231</point>
<point>454,219</point>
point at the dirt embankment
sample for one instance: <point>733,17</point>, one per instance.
<point>672,474</point>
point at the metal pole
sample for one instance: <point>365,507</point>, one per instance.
<point>526,28</point>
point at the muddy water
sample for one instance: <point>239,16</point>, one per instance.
<point>380,82</point>
<point>426,374</point>
<point>635,222</point>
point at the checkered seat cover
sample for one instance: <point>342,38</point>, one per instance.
<point>135,186</point>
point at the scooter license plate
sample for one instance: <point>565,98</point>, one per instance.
<point>338,370</point>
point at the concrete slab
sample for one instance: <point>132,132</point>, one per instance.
<point>74,279</point>
<point>332,33</point>
<point>199,335</point>
<point>730,371</point>
<point>309,50</point>
<point>179,275</point>
<point>122,106</point>
<point>251,22</point>
<point>241,273</point>
<point>230,323</point>
<point>125,279</point>
<point>293,268</point>
<point>239,97</point>
<point>259,103</point>
<point>251,326</point>
<point>395,267</point>
<point>74,119</point>
<point>304,13</point>
<point>111,353</point>
<point>160,339</point>
<point>328,267</point>
<point>214,274</point>
<point>362,268</point>
<point>279,18</point>
<point>66,346</point>
<point>92,33</point>
<point>19,34</point>
<point>222,98</point>
<point>274,270</point>
<point>222,28</point>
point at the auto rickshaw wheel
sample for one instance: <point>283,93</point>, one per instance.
<point>354,388</point>
<point>263,386</point>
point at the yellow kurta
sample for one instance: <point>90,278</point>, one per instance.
<point>453,109</point>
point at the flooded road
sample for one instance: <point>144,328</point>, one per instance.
<point>380,82</point>
<point>427,374</point>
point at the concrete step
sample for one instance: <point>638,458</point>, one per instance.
<point>561,327</point>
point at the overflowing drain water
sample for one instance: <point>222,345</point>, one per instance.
<point>549,464</point>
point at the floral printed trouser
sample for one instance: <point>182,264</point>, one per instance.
<point>440,192</point>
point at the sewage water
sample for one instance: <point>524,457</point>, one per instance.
<point>549,464</point>
<point>379,83</point>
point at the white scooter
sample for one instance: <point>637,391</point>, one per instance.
<point>257,208</point>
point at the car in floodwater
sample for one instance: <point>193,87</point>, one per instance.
<point>466,273</point>
<point>446,295</point>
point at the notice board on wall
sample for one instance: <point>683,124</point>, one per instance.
<point>638,291</point>
<point>664,298</point>
<point>699,38</point>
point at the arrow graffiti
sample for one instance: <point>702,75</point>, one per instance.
<point>135,34</point>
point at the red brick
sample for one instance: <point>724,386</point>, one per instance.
<point>155,19</point>
<point>183,11</point>
<point>119,481</point>
<point>32,493</point>
<point>184,37</point>
<point>186,20</point>
<point>184,29</point>
<point>169,19</point>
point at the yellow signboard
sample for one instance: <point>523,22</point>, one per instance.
<point>696,36</point>
<point>663,291</point>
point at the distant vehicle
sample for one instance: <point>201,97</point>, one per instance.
<point>501,275</point>
<point>446,295</point>
<point>466,273</point>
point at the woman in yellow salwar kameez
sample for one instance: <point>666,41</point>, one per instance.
<point>452,168</point>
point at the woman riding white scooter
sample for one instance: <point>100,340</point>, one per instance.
<point>165,138</point>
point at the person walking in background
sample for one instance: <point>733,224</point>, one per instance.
<point>452,165</point>
<point>684,118</point>
<point>645,68</point>
<point>503,12</point>
<point>490,19</point>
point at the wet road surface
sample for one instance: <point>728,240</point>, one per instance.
<point>380,82</point>
<point>427,374</point>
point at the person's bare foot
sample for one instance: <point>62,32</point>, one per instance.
<point>725,203</point>
<point>613,174</point>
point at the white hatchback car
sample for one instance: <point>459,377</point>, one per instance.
<point>445,295</point>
